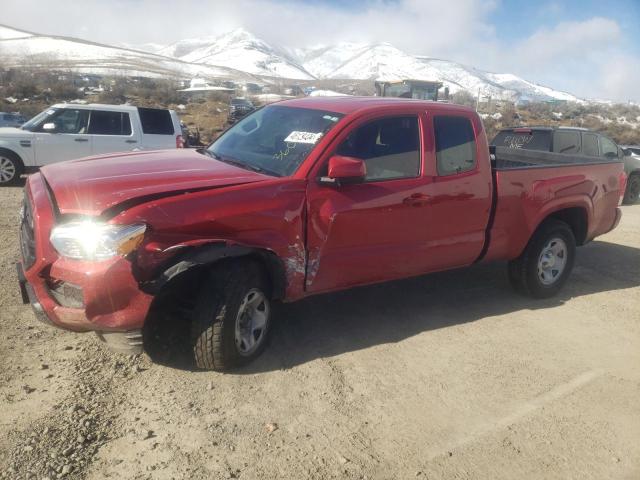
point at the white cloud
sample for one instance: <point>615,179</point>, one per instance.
<point>619,78</point>
<point>577,56</point>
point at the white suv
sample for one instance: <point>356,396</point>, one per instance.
<point>68,131</point>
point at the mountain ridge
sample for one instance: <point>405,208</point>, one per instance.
<point>240,55</point>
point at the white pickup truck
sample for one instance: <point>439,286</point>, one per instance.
<point>69,131</point>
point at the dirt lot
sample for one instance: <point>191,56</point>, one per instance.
<point>446,376</point>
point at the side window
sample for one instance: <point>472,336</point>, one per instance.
<point>608,149</point>
<point>156,121</point>
<point>109,123</point>
<point>455,145</point>
<point>390,148</point>
<point>566,141</point>
<point>590,144</point>
<point>70,121</point>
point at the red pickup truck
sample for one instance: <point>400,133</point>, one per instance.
<point>301,197</point>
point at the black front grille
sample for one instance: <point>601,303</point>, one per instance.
<point>27,238</point>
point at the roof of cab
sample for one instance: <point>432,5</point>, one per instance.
<point>348,104</point>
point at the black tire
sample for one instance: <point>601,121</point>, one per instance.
<point>632,193</point>
<point>10,163</point>
<point>523,271</point>
<point>213,330</point>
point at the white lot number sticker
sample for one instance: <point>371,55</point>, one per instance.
<point>303,137</point>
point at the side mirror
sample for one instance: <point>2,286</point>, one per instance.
<point>346,169</point>
<point>49,127</point>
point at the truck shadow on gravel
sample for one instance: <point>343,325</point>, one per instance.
<point>333,324</point>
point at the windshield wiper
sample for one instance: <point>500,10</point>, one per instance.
<point>238,163</point>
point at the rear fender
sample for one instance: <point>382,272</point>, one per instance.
<point>555,207</point>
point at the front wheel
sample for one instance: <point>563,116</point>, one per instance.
<point>232,316</point>
<point>632,193</point>
<point>10,168</point>
<point>546,262</point>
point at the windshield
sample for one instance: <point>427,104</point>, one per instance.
<point>39,119</point>
<point>274,140</point>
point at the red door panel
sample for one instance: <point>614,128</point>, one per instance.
<point>364,233</point>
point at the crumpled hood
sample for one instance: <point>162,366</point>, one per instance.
<point>92,185</point>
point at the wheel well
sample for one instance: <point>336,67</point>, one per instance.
<point>192,265</point>
<point>576,218</point>
<point>11,153</point>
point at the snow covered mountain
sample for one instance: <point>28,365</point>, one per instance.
<point>240,50</point>
<point>384,61</point>
<point>19,48</point>
<point>239,55</point>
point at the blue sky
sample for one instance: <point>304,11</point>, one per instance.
<point>588,47</point>
<point>517,18</point>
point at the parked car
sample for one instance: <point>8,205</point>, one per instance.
<point>632,168</point>
<point>11,119</point>
<point>239,108</point>
<point>302,197</point>
<point>573,141</point>
<point>631,149</point>
<point>65,132</point>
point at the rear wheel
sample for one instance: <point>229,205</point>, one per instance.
<point>10,168</point>
<point>232,316</point>
<point>546,262</point>
<point>632,193</point>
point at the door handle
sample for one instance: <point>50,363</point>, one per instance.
<point>131,141</point>
<point>417,200</point>
<point>81,139</point>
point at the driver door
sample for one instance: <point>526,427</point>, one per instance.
<point>373,230</point>
<point>68,139</point>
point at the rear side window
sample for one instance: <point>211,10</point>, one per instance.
<point>608,148</point>
<point>390,148</point>
<point>455,145</point>
<point>566,142</point>
<point>109,123</point>
<point>590,144</point>
<point>532,140</point>
<point>156,121</point>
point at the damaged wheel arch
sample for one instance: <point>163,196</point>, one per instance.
<point>203,257</point>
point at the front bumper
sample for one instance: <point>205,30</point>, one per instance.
<point>29,296</point>
<point>76,295</point>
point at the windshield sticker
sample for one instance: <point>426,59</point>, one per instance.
<point>51,112</point>
<point>303,137</point>
<point>330,118</point>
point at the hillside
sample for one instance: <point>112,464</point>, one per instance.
<point>239,55</point>
<point>19,49</point>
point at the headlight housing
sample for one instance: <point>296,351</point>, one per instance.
<point>89,240</point>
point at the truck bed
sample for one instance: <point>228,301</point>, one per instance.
<point>531,185</point>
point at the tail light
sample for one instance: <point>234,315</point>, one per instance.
<point>179,141</point>
<point>622,180</point>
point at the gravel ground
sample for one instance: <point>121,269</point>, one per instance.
<point>446,376</point>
